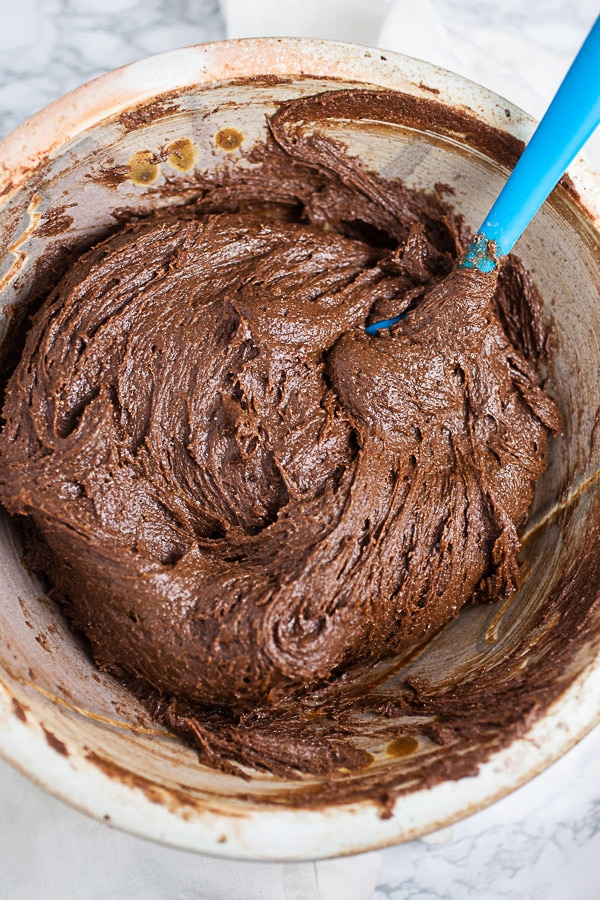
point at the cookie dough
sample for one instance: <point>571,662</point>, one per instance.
<point>236,493</point>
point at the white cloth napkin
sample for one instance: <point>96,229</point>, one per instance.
<point>79,859</point>
<point>52,852</point>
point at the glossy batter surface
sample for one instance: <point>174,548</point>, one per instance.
<point>237,494</point>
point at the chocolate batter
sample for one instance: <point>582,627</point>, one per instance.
<point>239,496</point>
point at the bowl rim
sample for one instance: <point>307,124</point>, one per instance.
<point>281,834</point>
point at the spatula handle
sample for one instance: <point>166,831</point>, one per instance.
<point>570,119</point>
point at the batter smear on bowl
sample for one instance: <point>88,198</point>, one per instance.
<point>237,494</point>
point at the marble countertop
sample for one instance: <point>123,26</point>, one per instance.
<point>541,841</point>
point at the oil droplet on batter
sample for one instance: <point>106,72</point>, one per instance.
<point>182,154</point>
<point>403,746</point>
<point>142,168</point>
<point>229,139</point>
<point>367,760</point>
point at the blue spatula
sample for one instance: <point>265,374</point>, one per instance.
<point>569,121</point>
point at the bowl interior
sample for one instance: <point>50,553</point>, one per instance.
<point>92,735</point>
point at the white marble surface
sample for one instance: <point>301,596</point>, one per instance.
<point>543,840</point>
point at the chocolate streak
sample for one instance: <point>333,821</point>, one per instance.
<point>239,497</point>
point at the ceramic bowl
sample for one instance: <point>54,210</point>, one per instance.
<point>115,143</point>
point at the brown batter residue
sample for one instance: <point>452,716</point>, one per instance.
<point>237,494</point>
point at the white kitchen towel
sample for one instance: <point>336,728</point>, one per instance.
<point>49,851</point>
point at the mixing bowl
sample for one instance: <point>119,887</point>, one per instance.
<point>135,139</point>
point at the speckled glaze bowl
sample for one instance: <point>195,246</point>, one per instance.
<point>134,138</point>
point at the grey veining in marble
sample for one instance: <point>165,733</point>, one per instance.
<point>543,841</point>
<point>49,47</point>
